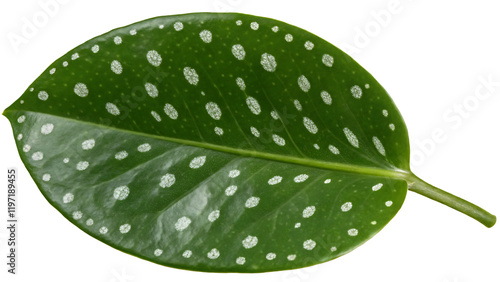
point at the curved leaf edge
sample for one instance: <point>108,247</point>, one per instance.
<point>10,116</point>
<point>405,167</point>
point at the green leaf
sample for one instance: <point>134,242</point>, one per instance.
<point>218,142</point>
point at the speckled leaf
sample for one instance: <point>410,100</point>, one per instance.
<point>215,142</point>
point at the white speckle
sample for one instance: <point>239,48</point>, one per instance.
<point>310,125</point>
<point>356,91</point>
<point>66,160</point>
<point>275,180</point>
<point>116,67</point>
<point>304,83</point>
<point>240,260</point>
<point>191,75</point>
<point>352,232</point>
<point>158,252</point>
<point>253,105</point>
<point>327,181</point>
<point>392,127</point>
<point>238,51</point>
<point>133,32</point>
<point>254,25</point>
<point>219,131</point>
<point>241,83</point>
<point>291,257</point>
<point>309,244</point>
<point>202,93</point>
<point>103,230</point>
<point>234,173</point>
<point>154,58</point>
<point>68,198</point>
<point>270,256</point>
<point>47,128</point>
<point>308,212</point>
<point>275,115</point>
<point>121,155</point>
<point>125,228</point>
<point>367,86</point>
<point>178,26</point>
<point>89,222</point>
<point>278,140</point>
<point>250,242</point>
<point>254,131</point>
<point>213,216</point>
<point>121,193</point>
<point>333,249</point>
<point>275,29</point>
<point>385,112</point>
<point>117,40</point>
<point>300,178</point>
<point>206,36</point>
<point>46,177</point>
<point>167,180</point>
<point>316,146</point>
<point>231,190</point>
<point>213,254</point>
<point>65,64</point>
<point>239,22</point>
<point>182,223</point>
<point>297,105</point>
<point>268,62</point>
<point>351,137</point>
<point>297,225</point>
<point>52,71</point>
<point>26,148</point>
<point>197,162</point>
<point>288,37</point>
<point>388,203</point>
<point>82,165</point>
<point>187,253</point>
<point>252,202</point>
<point>77,215</point>
<point>333,149</point>
<point>377,187</point>
<point>213,110</point>
<point>378,145</point>
<point>325,96</point>
<point>151,89</point>
<point>81,90</point>
<point>373,222</point>
<point>346,207</point>
<point>21,119</point>
<point>37,156</point>
<point>161,26</point>
<point>75,56</point>
<point>19,137</point>
<point>156,116</point>
<point>170,111</point>
<point>327,60</point>
<point>309,45</point>
<point>95,49</point>
<point>143,148</point>
<point>43,95</point>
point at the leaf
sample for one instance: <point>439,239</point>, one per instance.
<point>217,142</point>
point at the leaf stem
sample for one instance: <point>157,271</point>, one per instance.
<point>423,188</point>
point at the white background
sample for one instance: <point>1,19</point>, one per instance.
<point>429,56</point>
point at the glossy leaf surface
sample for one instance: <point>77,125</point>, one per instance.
<point>215,142</point>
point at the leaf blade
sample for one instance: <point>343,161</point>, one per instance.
<point>209,118</point>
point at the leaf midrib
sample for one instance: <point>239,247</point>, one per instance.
<point>364,170</point>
